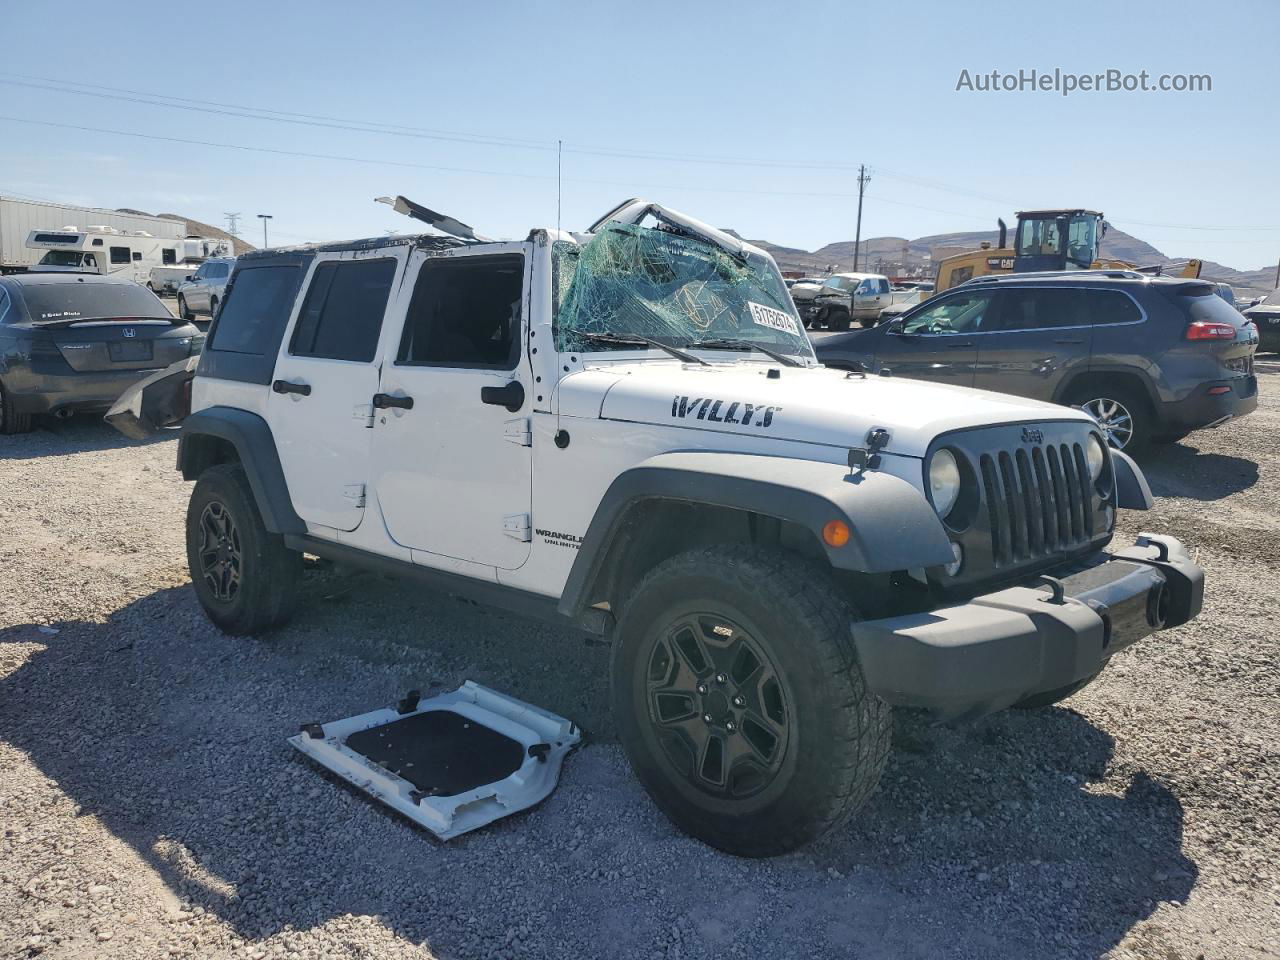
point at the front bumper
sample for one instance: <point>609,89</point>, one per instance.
<point>994,650</point>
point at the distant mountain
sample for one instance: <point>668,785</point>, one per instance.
<point>198,229</point>
<point>900,255</point>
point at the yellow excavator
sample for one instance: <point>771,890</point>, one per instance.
<point>1043,240</point>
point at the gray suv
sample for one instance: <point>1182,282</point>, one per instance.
<point>203,290</point>
<point>1149,358</point>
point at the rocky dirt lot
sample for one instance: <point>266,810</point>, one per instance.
<point>150,806</point>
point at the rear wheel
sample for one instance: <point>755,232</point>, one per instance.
<point>740,701</point>
<point>11,421</point>
<point>1122,413</point>
<point>244,576</point>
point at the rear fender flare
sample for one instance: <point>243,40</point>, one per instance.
<point>255,446</point>
<point>892,526</point>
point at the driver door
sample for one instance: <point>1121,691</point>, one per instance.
<point>938,342</point>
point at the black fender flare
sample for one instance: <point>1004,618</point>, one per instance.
<point>892,526</point>
<point>256,448</point>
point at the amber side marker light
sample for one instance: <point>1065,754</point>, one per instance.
<point>835,533</point>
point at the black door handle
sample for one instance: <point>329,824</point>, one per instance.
<point>1068,341</point>
<point>384,400</point>
<point>284,386</point>
<point>958,346</point>
<point>510,395</point>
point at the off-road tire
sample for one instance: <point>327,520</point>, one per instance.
<point>1049,697</point>
<point>1137,404</point>
<point>838,732</point>
<point>183,312</point>
<point>11,421</point>
<point>268,572</point>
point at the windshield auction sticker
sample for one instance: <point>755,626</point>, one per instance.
<point>774,319</point>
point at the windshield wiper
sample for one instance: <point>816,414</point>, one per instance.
<point>729,343</point>
<point>635,340</point>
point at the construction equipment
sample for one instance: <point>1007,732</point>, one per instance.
<point>1043,240</point>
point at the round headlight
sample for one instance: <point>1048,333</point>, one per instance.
<point>1095,456</point>
<point>944,481</point>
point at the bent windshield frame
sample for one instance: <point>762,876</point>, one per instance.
<point>672,287</point>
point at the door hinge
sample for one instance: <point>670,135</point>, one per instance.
<point>363,411</point>
<point>518,431</point>
<point>517,527</point>
<point>353,493</point>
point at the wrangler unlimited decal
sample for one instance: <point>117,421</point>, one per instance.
<point>710,409</point>
<point>570,540</point>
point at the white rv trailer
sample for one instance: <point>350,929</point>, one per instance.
<point>100,249</point>
<point>18,218</point>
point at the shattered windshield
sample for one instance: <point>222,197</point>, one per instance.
<point>630,281</point>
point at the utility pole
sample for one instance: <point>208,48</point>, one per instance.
<point>264,217</point>
<point>863,179</point>
<point>233,223</point>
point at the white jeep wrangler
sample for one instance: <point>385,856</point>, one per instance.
<point>627,430</point>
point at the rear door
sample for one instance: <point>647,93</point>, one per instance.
<point>452,458</point>
<point>938,341</point>
<point>1036,338</point>
<point>320,406</point>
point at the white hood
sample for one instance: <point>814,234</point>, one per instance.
<point>813,405</point>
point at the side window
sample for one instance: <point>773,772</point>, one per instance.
<point>91,261</point>
<point>866,288</point>
<point>884,285</point>
<point>961,275</point>
<point>465,312</point>
<point>962,313</point>
<point>97,241</point>
<point>137,255</point>
<point>119,254</point>
<point>342,314</point>
<point>168,257</point>
<point>1110,306</point>
<point>218,270</point>
<point>256,311</point>
<point>1041,309</point>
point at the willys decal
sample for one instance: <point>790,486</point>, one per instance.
<point>723,411</point>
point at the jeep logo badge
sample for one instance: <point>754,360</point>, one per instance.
<point>1031,436</point>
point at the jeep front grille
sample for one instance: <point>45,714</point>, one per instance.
<point>1038,501</point>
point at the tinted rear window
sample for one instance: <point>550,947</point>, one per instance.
<point>256,311</point>
<point>342,315</point>
<point>1210,308</point>
<point>48,302</point>
<point>1109,306</point>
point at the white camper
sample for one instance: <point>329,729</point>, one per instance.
<point>104,250</point>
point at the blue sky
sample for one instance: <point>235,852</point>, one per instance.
<point>749,115</point>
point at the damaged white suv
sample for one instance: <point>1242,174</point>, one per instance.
<point>626,429</point>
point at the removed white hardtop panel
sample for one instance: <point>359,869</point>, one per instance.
<point>451,763</point>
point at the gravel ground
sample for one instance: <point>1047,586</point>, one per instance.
<point>150,806</point>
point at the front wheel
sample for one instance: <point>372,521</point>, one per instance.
<point>183,311</point>
<point>244,576</point>
<point>740,702</point>
<point>838,320</point>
